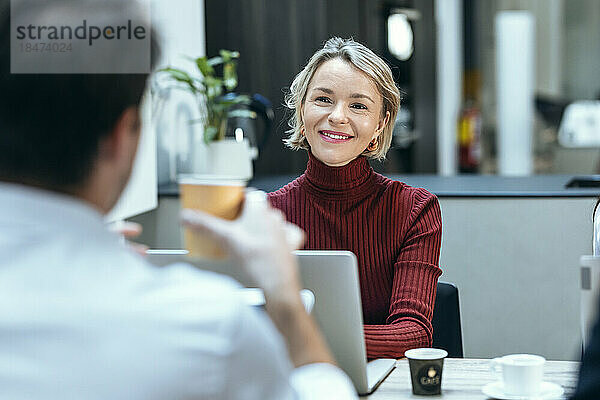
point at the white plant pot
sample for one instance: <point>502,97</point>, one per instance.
<point>227,157</point>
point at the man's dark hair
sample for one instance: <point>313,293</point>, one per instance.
<point>51,124</point>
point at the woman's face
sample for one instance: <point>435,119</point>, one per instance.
<point>341,112</point>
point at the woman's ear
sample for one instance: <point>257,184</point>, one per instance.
<point>383,123</point>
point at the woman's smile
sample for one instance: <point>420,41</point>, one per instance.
<point>334,137</point>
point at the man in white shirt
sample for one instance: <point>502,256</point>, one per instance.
<point>84,317</point>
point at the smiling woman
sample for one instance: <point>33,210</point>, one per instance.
<point>342,120</point>
<point>343,102</point>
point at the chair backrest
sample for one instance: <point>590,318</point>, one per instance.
<point>447,333</point>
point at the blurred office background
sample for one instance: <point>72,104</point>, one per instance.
<point>276,38</point>
<point>512,237</point>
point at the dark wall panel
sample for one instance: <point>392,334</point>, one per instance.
<point>425,82</point>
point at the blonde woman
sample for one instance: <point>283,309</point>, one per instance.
<point>344,103</point>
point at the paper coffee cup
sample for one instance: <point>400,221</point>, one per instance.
<point>215,195</point>
<point>426,366</point>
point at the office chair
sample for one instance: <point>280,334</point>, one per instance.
<point>447,332</point>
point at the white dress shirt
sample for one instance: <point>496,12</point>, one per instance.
<point>83,317</point>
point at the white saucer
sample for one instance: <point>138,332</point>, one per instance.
<point>549,390</point>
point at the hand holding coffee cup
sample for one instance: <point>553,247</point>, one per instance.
<point>219,196</point>
<point>260,240</point>
<point>521,374</point>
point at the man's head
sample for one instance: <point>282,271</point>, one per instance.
<point>72,133</point>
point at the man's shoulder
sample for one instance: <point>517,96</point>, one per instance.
<point>122,285</point>
<point>178,301</point>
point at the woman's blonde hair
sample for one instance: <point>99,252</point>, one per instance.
<point>365,60</point>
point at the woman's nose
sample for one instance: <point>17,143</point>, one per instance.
<point>338,114</point>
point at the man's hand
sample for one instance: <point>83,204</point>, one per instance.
<point>129,230</point>
<point>262,242</point>
<point>259,240</point>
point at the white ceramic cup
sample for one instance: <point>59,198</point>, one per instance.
<point>521,374</point>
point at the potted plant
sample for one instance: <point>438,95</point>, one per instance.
<point>216,102</point>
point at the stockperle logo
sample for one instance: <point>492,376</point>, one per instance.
<point>80,36</point>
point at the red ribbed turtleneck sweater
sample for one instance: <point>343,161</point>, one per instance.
<point>394,230</point>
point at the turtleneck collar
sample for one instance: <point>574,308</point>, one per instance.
<point>356,177</point>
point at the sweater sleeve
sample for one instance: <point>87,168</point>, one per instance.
<point>416,272</point>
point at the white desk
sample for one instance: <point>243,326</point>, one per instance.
<point>462,379</point>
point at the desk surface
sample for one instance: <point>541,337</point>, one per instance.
<point>463,379</point>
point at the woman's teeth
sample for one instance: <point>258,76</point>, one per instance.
<point>334,136</point>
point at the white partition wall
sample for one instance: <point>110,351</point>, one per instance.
<point>515,84</point>
<point>448,18</point>
<point>516,264</point>
<point>180,28</point>
<point>182,36</point>
<point>140,195</point>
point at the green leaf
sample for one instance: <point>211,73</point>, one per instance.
<point>242,99</point>
<point>230,84</point>
<point>210,133</point>
<point>236,101</point>
<point>181,76</point>
<point>208,83</point>
<point>205,67</point>
<point>241,114</point>
<point>229,76</point>
<point>220,108</point>
<point>177,73</point>
<point>214,88</point>
<point>215,61</point>
<point>228,55</point>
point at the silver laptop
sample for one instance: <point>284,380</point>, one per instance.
<point>333,278</point>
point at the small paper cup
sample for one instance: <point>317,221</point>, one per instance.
<point>426,366</point>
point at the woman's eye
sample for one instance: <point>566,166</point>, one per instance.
<point>323,99</point>
<point>359,106</point>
